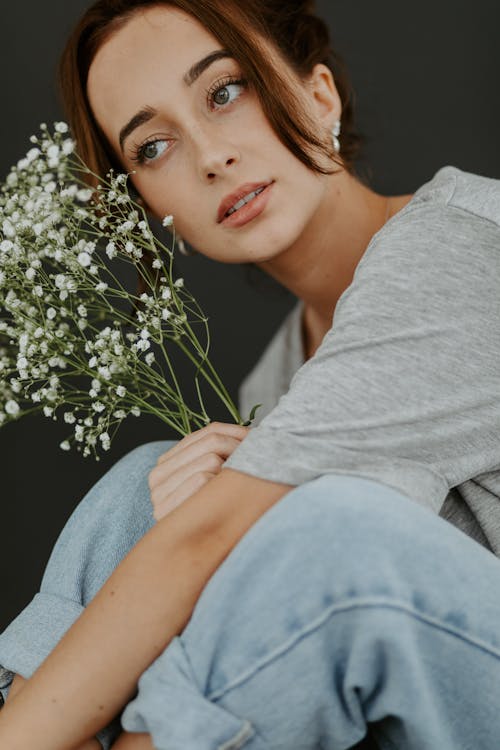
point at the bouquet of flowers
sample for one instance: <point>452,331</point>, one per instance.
<point>73,341</point>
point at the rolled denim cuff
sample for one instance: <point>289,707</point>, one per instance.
<point>35,632</point>
<point>171,708</point>
<point>30,638</point>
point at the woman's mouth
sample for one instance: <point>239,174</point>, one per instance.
<point>248,208</point>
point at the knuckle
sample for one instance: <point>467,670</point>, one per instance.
<point>215,425</point>
<point>217,442</point>
<point>213,462</point>
<point>154,501</point>
<point>203,475</point>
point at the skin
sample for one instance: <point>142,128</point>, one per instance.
<point>311,237</point>
<point>315,228</point>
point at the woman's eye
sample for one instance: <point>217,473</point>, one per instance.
<point>220,95</point>
<point>150,151</point>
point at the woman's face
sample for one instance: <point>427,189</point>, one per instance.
<point>193,143</point>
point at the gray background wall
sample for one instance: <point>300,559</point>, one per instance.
<point>426,77</point>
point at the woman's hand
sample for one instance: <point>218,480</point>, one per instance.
<point>185,468</point>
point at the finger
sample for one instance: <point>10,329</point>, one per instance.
<point>235,430</point>
<point>221,445</point>
<point>166,504</point>
<point>169,482</point>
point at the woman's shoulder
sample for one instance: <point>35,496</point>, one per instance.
<point>440,218</point>
<point>476,194</point>
<point>271,376</point>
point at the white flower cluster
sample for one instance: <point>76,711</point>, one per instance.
<point>70,343</point>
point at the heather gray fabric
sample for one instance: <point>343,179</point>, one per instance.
<point>272,375</point>
<point>405,387</point>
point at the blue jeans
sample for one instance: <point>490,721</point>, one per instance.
<point>346,609</point>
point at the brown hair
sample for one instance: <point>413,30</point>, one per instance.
<point>301,37</point>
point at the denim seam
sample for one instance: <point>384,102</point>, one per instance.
<point>368,602</point>
<point>239,739</point>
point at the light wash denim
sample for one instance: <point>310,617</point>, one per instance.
<point>346,607</point>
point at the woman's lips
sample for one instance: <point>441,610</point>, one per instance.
<point>250,210</point>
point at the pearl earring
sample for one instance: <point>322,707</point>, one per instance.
<point>335,136</point>
<point>182,247</point>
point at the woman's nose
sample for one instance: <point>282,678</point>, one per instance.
<point>216,154</point>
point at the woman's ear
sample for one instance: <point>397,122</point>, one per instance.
<point>326,100</point>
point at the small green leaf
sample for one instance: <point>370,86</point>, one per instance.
<point>252,416</point>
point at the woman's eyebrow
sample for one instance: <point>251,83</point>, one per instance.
<point>194,72</point>
<point>198,68</point>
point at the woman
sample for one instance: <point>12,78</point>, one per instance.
<point>327,601</point>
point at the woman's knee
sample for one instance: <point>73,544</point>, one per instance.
<point>333,539</point>
<point>342,514</point>
<point>123,490</point>
<point>137,463</point>
<point>366,531</point>
<point>107,523</point>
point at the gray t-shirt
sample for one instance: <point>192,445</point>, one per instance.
<point>405,387</point>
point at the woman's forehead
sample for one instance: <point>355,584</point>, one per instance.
<point>154,48</point>
<point>158,33</point>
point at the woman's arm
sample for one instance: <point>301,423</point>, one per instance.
<point>94,670</point>
<point>17,684</point>
<point>126,741</point>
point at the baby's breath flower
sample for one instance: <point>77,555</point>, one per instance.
<point>84,195</point>
<point>68,147</point>
<point>8,231</point>
<point>84,259</point>
<point>6,246</point>
<point>142,345</point>
<point>12,407</point>
<point>127,226</point>
<point>67,315</point>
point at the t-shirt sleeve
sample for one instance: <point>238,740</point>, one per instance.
<point>270,377</point>
<point>404,387</point>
